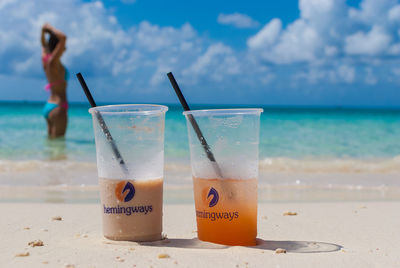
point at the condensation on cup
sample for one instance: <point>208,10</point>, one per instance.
<point>225,190</point>
<point>131,196</point>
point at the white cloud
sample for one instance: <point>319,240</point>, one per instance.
<point>87,26</point>
<point>238,20</point>
<point>372,43</point>
<point>296,44</point>
<point>372,11</point>
<point>394,49</point>
<point>329,43</point>
<point>330,39</point>
<point>343,73</point>
<point>98,46</point>
<point>219,58</point>
<point>315,35</point>
<point>153,37</point>
<point>266,36</point>
<point>331,51</point>
<point>394,13</point>
<point>328,28</point>
<point>309,8</point>
<point>4,3</point>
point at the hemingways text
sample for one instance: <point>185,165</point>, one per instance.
<point>128,210</point>
<point>217,215</point>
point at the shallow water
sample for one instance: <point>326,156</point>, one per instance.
<point>285,132</point>
<point>298,146</point>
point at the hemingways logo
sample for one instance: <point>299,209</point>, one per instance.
<point>213,198</point>
<point>124,192</point>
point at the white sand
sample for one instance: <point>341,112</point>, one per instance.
<point>368,232</point>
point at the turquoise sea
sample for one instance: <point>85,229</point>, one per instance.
<point>296,133</point>
<point>359,147</point>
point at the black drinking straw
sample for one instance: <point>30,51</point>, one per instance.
<point>103,125</point>
<point>195,126</point>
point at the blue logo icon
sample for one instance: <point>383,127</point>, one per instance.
<point>215,197</point>
<point>125,191</point>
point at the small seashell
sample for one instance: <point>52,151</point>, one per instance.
<point>280,250</point>
<point>36,243</point>
<point>290,213</point>
<point>23,254</point>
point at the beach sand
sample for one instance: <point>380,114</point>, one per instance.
<point>323,234</point>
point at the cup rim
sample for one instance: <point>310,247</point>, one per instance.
<point>235,111</point>
<point>130,109</point>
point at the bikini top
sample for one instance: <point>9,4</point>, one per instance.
<point>66,74</point>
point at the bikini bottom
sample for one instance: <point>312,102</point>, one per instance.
<point>49,106</point>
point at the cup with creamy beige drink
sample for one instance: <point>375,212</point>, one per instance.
<point>131,184</point>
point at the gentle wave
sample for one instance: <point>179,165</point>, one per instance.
<point>10,166</point>
<point>334,165</point>
<point>266,165</point>
<point>176,194</point>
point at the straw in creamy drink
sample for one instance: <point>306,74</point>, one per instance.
<point>130,166</point>
<point>132,209</point>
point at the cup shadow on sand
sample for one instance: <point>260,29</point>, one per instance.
<point>289,246</point>
<point>297,246</point>
<point>193,243</point>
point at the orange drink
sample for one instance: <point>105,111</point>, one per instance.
<point>226,210</point>
<point>224,159</point>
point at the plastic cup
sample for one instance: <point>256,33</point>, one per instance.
<point>131,196</point>
<point>226,207</point>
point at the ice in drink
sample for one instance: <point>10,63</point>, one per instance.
<point>132,210</point>
<point>226,210</point>
<point>130,164</point>
<point>224,159</point>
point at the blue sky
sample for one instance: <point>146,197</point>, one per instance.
<point>304,52</point>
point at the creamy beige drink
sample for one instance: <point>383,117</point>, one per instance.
<point>130,166</point>
<point>132,209</point>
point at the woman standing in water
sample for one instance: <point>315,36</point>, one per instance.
<point>55,110</point>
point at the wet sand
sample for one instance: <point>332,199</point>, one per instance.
<point>183,194</point>
<point>332,234</point>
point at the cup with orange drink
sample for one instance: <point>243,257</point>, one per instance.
<point>224,159</point>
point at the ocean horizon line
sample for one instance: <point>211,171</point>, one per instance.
<point>232,105</point>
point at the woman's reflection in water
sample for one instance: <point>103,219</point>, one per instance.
<point>56,149</point>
